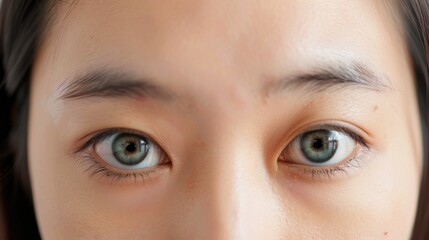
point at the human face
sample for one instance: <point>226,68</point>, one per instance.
<point>261,120</point>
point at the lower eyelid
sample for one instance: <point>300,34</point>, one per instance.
<point>106,174</point>
<point>346,170</point>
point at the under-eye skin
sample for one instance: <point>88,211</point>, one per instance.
<point>325,151</point>
<point>123,156</point>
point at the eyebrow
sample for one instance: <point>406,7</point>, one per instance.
<point>108,83</point>
<point>333,77</point>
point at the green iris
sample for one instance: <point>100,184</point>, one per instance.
<point>319,146</point>
<point>129,149</point>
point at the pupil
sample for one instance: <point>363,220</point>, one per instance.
<point>131,147</point>
<point>319,146</point>
<point>318,143</point>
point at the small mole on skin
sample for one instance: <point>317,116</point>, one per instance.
<point>385,233</point>
<point>375,108</point>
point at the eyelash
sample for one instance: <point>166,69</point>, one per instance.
<point>328,173</point>
<point>355,162</point>
<point>95,168</point>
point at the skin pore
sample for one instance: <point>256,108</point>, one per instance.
<point>224,88</point>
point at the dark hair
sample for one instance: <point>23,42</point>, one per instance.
<point>20,28</point>
<point>415,17</point>
<point>22,23</point>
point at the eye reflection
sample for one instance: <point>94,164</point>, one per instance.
<point>128,151</point>
<point>321,147</point>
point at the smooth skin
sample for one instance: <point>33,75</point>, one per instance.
<point>222,128</point>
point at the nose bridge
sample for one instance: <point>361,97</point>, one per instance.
<point>237,201</point>
<point>226,191</point>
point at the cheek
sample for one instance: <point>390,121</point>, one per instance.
<point>378,202</point>
<point>54,186</point>
<point>48,172</point>
<point>375,203</point>
<point>71,205</point>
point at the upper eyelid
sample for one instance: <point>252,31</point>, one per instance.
<point>100,135</point>
<point>341,127</point>
<point>103,134</point>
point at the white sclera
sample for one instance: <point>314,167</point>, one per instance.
<point>104,151</point>
<point>345,147</point>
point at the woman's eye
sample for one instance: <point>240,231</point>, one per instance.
<point>129,151</point>
<point>320,148</point>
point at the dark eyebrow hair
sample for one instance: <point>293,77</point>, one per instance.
<point>110,83</point>
<point>333,77</point>
<point>113,83</point>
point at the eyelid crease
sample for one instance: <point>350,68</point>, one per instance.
<point>102,135</point>
<point>340,127</point>
<point>96,165</point>
<point>365,148</point>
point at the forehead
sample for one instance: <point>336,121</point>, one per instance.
<point>191,40</point>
